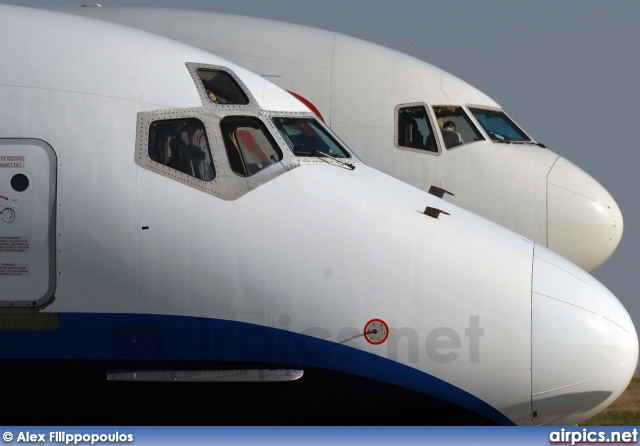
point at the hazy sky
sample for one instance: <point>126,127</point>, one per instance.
<point>566,71</point>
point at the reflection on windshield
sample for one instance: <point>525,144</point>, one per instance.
<point>305,136</point>
<point>249,145</point>
<point>498,125</point>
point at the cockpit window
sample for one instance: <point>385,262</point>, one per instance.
<point>221,87</point>
<point>499,126</point>
<point>455,126</point>
<point>182,145</point>
<point>306,137</point>
<point>250,146</point>
<point>414,129</point>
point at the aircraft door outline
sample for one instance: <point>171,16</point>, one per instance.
<point>28,181</point>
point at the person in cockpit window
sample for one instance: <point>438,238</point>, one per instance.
<point>450,136</point>
<point>176,147</point>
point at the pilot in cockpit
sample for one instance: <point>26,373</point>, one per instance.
<point>450,136</point>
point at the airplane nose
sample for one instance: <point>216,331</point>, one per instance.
<point>584,223</point>
<point>584,347</point>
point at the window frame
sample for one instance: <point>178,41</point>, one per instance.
<point>327,131</point>
<point>432,122</point>
<point>210,92</point>
<point>201,127</point>
<point>265,131</point>
<point>226,185</point>
<point>251,108</point>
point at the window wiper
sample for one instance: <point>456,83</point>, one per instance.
<point>326,155</point>
<point>511,141</point>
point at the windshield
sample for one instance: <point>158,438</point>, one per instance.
<point>455,126</point>
<point>499,126</point>
<point>249,145</point>
<point>221,88</point>
<point>305,136</point>
<point>414,129</point>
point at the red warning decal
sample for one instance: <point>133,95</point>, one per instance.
<point>11,162</point>
<point>376,331</point>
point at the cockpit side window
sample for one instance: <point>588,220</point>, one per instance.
<point>250,146</point>
<point>455,126</point>
<point>499,126</point>
<point>182,145</point>
<point>221,88</point>
<point>306,137</point>
<point>414,129</point>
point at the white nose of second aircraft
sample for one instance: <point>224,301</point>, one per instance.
<point>584,345</point>
<point>584,223</point>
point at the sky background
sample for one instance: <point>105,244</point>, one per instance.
<point>567,71</point>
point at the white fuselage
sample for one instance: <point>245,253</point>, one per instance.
<point>283,267</point>
<point>358,86</point>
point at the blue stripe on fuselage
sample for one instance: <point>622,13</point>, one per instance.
<point>141,337</point>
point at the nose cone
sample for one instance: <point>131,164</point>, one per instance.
<point>584,222</point>
<point>584,345</point>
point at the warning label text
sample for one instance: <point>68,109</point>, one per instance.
<point>14,244</point>
<point>12,161</point>
<point>14,269</point>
